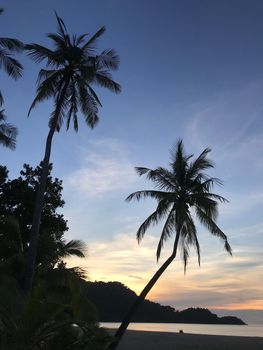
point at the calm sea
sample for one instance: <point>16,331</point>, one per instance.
<point>212,329</point>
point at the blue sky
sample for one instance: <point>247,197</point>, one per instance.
<point>189,69</point>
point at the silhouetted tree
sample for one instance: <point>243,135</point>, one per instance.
<point>57,315</point>
<point>14,69</point>
<point>73,66</point>
<point>17,199</point>
<point>181,190</point>
<point>10,65</point>
<point>8,132</point>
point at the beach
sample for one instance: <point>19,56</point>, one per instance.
<point>141,340</point>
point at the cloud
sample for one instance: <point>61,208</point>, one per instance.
<point>105,167</point>
<point>225,120</point>
<point>135,277</point>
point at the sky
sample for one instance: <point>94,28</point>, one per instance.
<point>188,69</point>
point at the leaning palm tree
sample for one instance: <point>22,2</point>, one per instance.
<point>73,66</point>
<point>8,132</point>
<point>180,191</point>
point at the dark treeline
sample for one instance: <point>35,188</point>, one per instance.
<point>113,299</point>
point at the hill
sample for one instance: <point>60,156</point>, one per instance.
<point>113,299</point>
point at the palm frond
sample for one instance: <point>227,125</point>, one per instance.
<point>201,163</point>
<point>108,58</point>
<point>48,87</point>
<point>73,109</point>
<point>40,53</point>
<point>138,195</point>
<point>212,227</point>
<point>88,105</point>
<point>208,205</point>
<point>74,247</point>
<point>1,99</point>
<point>62,30</point>
<point>8,133</point>
<point>12,44</point>
<point>94,95</point>
<point>60,110</point>
<point>77,40</point>
<point>94,37</point>
<point>179,161</point>
<point>163,178</point>
<point>160,176</point>
<point>10,65</point>
<point>192,235</point>
<point>167,230</point>
<point>2,115</point>
<point>58,41</point>
<point>160,212</point>
<point>104,79</point>
<point>210,195</point>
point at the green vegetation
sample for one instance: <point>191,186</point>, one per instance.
<point>180,191</point>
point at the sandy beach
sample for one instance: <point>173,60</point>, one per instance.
<point>140,340</point>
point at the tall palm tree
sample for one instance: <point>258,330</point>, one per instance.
<point>8,132</point>
<point>72,67</point>
<point>180,191</point>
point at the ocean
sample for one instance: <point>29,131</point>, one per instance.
<point>252,330</point>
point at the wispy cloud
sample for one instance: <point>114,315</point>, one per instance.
<point>105,167</point>
<point>224,121</point>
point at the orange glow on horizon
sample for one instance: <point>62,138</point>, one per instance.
<point>249,306</point>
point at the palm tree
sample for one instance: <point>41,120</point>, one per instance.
<point>8,132</point>
<point>14,69</point>
<point>51,252</point>
<point>182,190</point>
<point>72,67</point>
<point>10,65</point>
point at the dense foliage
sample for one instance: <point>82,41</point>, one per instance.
<point>58,301</point>
<point>17,198</point>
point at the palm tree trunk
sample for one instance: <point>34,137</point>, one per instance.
<point>34,233</point>
<point>127,319</point>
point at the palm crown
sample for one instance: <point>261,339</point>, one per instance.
<point>72,66</point>
<point>180,191</point>
<point>8,132</point>
<point>10,65</point>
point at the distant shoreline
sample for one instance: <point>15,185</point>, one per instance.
<point>142,340</point>
<point>198,329</point>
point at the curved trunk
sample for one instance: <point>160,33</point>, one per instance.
<point>34,233</point>
<point>127,319</point>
